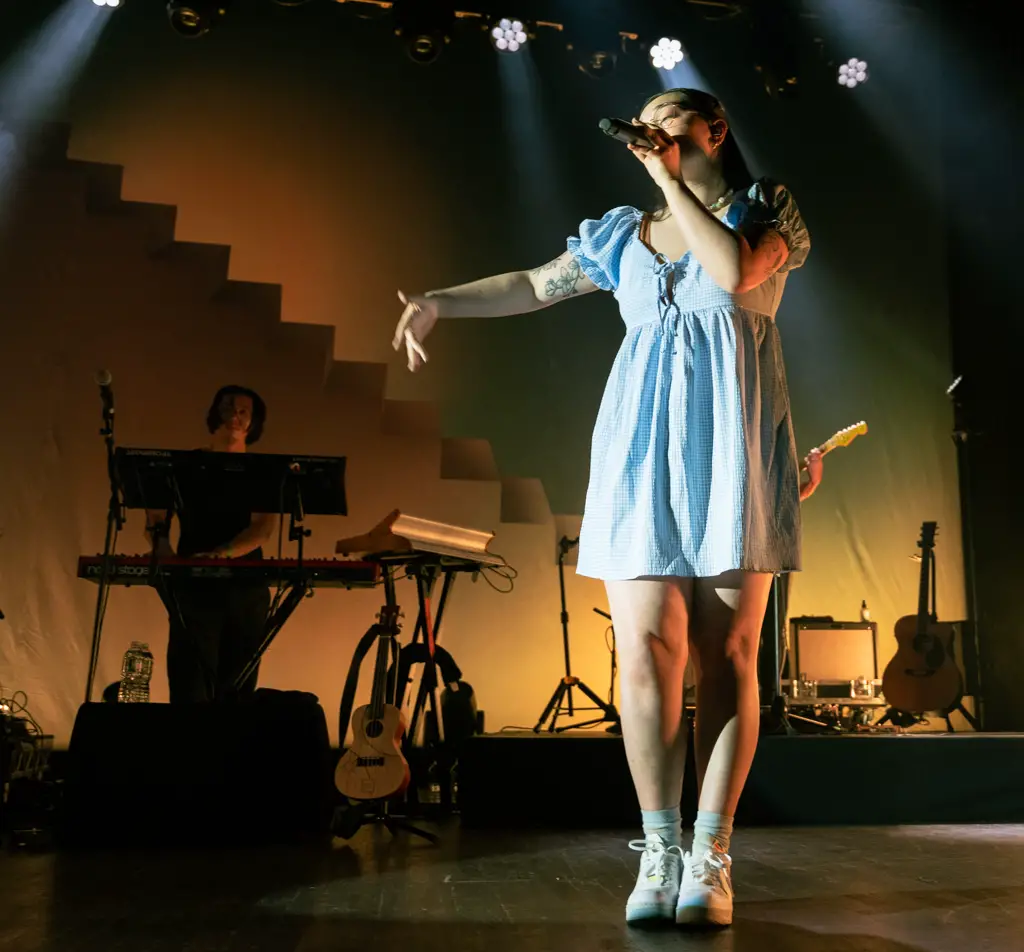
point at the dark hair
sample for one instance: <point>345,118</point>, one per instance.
<point>734,167</point>
<point>214,421</point>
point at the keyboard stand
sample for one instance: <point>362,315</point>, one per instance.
<point>294,593</point>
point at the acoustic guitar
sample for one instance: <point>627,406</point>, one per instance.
<point>923,675</point>
<point>374,767</point>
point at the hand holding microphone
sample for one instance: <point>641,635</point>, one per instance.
<point>658,151</point>
<point>628,132</point>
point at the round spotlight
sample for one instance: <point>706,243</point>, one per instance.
<point>108,3</point>
<point>193,18</point>
<point>508,36</point>
<point>666,53</point>
<point>425,47</point>
<point>852,73</point>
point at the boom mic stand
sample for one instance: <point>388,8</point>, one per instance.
<point>563,692</point>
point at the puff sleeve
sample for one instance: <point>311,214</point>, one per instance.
<point>785,218</point>
<point>600,245</point>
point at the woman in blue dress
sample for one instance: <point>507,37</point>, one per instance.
<point>693,500</point>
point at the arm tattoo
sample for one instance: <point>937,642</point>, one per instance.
<point>568,277</point>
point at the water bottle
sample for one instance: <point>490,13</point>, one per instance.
<point>136,670</point>
<point>865,615</point>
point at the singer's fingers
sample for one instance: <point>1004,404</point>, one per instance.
<point>403,322</point>
<point>416,358</point>
<point>411,341</point>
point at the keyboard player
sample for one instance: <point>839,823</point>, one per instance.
<point>221,622</point>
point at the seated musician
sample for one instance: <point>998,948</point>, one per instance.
<point>217,624</point>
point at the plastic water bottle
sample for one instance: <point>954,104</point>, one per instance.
<point>136,670</point>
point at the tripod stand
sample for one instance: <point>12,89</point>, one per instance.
<point>563,693</point>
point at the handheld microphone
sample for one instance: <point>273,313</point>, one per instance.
<point>626,132</point>
<point>104,380</point>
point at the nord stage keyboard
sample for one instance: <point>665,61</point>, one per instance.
<point>312,573</point>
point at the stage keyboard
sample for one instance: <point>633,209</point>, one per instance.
<point>317,573</point>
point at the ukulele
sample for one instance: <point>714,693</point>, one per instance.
<point>374,767</point>
<point>922,675</point>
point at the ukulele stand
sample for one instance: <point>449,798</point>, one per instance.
<point>350,818</point>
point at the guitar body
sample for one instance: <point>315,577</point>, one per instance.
<point>374,767</point>
<point>922,676</point>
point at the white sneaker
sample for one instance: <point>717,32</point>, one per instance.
<point>705,894</point>
<point>657,884</point>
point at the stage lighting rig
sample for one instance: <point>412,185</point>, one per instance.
<point>508,35</point>
<point>666,53</point>
<point>194,18</point>
<point>425,27</point>
<point>109,3</point>
<point>853,72</point>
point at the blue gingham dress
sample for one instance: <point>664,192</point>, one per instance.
<point>693,468</point>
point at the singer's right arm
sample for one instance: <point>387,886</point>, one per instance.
<point>153,518</point>
<point>518,292</point>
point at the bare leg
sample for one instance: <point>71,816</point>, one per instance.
<point>724,636</point>
<point>651,619</point>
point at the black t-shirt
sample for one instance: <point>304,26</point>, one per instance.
<point>215,508</point>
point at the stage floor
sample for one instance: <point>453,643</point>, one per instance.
<point>864,889</point>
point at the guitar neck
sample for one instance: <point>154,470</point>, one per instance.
<point>380,675</point>
<point>923,588</point>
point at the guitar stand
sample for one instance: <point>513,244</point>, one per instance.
<point>967,716</point>
<point>349,818</point>
<point>905,719</point>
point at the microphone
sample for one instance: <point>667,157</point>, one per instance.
<point>104,380</point>
<point>626,132</point>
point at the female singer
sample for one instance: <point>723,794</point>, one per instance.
<point>693,501</point>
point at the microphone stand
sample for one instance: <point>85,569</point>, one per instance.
<point>961,440</point>
<point>115,523</point>
<point>563,692</point>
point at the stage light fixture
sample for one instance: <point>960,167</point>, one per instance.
<point>425,27</point>
<point>853,72</point>
<point>508,36</point>
<point>108,3</point>
<point>193,18</point>
<point>666,53</point>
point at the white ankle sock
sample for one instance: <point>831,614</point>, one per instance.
<point>711,829</point>
<point>667,824</point>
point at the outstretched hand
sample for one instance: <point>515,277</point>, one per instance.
<point>417,321</point>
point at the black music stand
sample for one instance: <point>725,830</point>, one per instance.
<point>267,482</point>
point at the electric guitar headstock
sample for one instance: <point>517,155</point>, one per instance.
<point>928,532</point>
<point>843,437</point>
